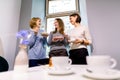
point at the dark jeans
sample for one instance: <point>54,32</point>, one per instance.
<point>38,62</point>
<point>78,56</point>
<point>59,52</point>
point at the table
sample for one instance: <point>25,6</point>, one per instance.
<point>40,73</point>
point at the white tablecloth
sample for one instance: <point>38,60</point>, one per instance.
<point>41,73</point>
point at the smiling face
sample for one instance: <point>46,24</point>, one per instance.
<point>35,23</point>
<point>38,23</point>
<point>56,24</point>
<point>73,19</point>
<point>59,25</point>
<point>37,26</point>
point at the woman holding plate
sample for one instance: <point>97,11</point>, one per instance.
<point>57,40</point>
<point>79,39</point>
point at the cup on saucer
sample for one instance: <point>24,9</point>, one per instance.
<point>100,63</point>
<point>61,63</point>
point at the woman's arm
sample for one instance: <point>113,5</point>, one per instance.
<point>87,39</point>
<point>32,38</point>
<point>50,38</point>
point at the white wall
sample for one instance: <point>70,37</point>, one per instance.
<point>25,14</point>
<point>104,24</point>
<point>9,20</point>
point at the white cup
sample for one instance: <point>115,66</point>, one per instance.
<point>61,62</point>
<point>100,63</point>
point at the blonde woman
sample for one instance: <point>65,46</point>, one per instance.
<point>37,42</point>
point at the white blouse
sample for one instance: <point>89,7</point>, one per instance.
<point>80,32</point>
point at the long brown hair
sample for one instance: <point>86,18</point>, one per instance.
<point>61,26</point>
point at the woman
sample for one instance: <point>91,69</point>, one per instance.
<point>79,39</point>
<point>57,41</point>
<point>36,46</point>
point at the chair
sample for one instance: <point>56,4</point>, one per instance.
<point>3,65</point>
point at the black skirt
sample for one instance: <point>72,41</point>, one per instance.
<point>58,52</point>
<point>78,56</point>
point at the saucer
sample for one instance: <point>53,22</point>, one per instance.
<point>60,72</point>
<point>108,75</point>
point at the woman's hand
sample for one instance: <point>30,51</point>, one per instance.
<point>58,38</point>
<point>44,34</point>
<point>61,39</point>
<point>84,42</point>
<point>78,41</point>
<point>54,39</point>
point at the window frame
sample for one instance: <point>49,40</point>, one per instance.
<point>60,14</point>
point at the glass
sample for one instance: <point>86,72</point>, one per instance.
<point>56,6</point>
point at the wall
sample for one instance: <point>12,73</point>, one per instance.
<point>25,14</point>
<point>104,24</point>
<point>38,10</point>
<point>29,9</point>
<point>84,19</point>
<point>9,20</point>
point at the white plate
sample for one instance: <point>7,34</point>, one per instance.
<point>108,75</point>
<point>60,72</point>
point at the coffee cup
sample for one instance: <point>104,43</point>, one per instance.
<point>61,62</point>
<point>100,63</point>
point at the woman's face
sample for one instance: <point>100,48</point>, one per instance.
<point>38,22</point>
<point>37,27</point>
<point>56,24</point>
<point>73,19</point>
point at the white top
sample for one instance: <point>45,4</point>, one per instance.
<point>80,32</point>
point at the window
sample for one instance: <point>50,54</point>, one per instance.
<point>61,9</point>
<point>56,6</point>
